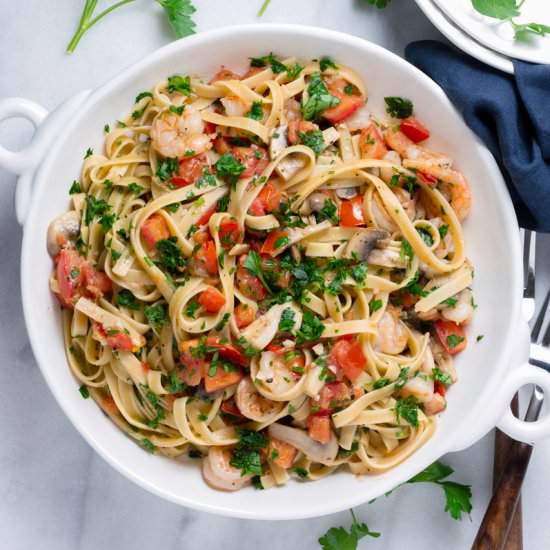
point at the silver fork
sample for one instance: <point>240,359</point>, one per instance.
<point>497,521</point>
<point>529,252</point>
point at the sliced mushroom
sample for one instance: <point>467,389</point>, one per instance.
<point>253,404</point>
<point>317,452</point>
<point>362,243</point>
<point>346,192</point>
<point>63,231</point>
<point>317,201</point>
<point>279,141</point>
<point>387,257</point>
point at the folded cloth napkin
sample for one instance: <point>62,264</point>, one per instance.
<point>510,113</point>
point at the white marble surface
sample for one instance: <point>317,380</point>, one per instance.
<point>55,492</point>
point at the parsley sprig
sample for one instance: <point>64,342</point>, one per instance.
<point>337,538</point>
<point>178,12</point>
<point>506,10</point>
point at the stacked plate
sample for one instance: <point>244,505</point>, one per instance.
<point>490,40</point>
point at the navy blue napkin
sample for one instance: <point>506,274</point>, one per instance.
<point>510,113</point>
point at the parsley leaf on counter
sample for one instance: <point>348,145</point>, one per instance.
<point>337,538</point>
<point>458,497</point>
<point>178,12</point>
<point>378,3</point>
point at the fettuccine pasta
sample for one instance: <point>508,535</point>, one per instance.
<point>260,273</point>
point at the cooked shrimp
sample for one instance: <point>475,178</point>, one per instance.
<point>420,387</point>
<point>175,135</point>
<point>252,404</point>
<point>463,311</point>
<point>408,149</point>
<point>392,334</point>
<point>234,105</point>
<point>371,143</point>
<point>453,184</point>
<point>387,257</point>
<point>62,232</point>
<point>218,472</point>
<point>274,373</point>
<point>435,405</point>
<point>387,173</point>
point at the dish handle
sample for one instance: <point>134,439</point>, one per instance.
<point>18,107</point>
<point>24,163</point>
<point>528,432</point>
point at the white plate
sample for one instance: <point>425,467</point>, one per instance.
<point>461,40</point>
<point>499,35</point>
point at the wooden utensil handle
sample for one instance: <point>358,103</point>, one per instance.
<point>496,523</point>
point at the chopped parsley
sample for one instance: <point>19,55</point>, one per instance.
<point>302,473</point>
<point>406,252</point>
<point>229,168</point>
<point>293,72</point>
<point>176,385</point>
<point>135,188</point>
<point>426,236</point>
<point>75,188</point>
<point>329,211</point>
<point>256,111</point>
<point>348,89</point>
<point>380,383</point>
<point>126,299</point>
<point>84,392</point>
<point>95,208</point>
<point>270,59</point>
<point>314,140</point>
<point>326,63</point>
<point>480,337</point>
<point>443,230</point>
<point>178,83</point>
<point>454,340</point>
<point>143,95</point>
<point>319,98</point>
<point>253,265</point>
<point>311,328</point>
<point>407,409</point>
<point>286,324</point>
<point>167,168</point>
<point>399,107</point>
<point>171,257</point>
<point>451,302</point>
<point>148,445</point>
<point>156,315</point>
<point>375,305</point>
<point>440,376</point>
<point>246,455</point>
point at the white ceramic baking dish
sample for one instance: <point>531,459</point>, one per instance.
<point>490,371</point>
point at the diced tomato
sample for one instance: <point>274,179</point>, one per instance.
<point>274,241</point>
<point>154,229</point>
<point>318,427</point>
<point>224,74</point>
<point>212,300</point>
<point>248,284</point>
<point>451,335</point>
<point>349,357</point>
<point>77,278</point>
<point>348,103</point>
<point>254,158</point>
<point>414,129</point>
<point>205,218</point>
<point>230,233</point>
<point>227,351</point>
<point>244,315</point>
<point>333,393</point>
<point>268,200</point>
<point>295,126</point>
<point>275,348</point>
<point>428,179</point>
<point>193,367</point>
<point>190,170</point>
<point>114,339</point>
<point>371,143</point>
<point>230,407</point>
<point>281,453</point>
<point>351,212</point>
<point>222,378</point>
<point>204,262</point>
<point>439,388</point>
